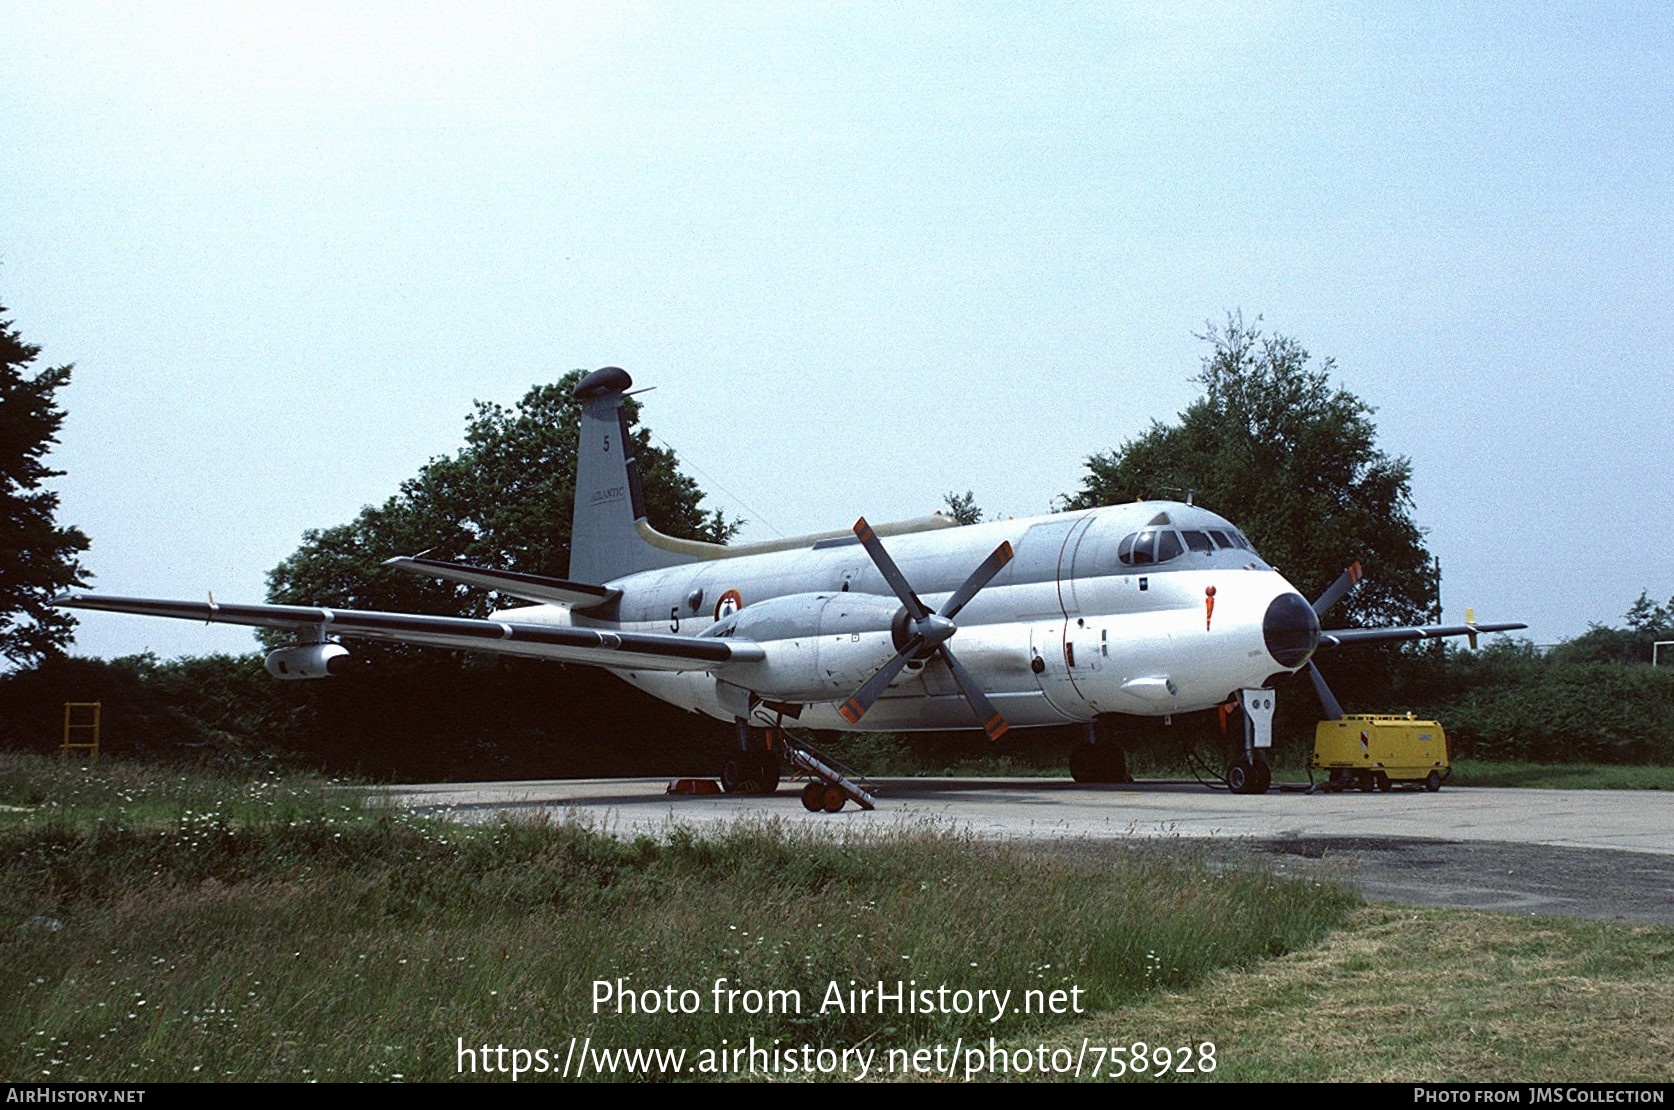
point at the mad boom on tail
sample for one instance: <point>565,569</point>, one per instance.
<point>1150,609</point>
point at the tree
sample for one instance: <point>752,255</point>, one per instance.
<point>1647,622</point>
<point>504,501</point>
<point>962,507</point>
<point>38,558</point>
<point>1293,461</point>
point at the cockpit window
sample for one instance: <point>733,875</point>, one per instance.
<point>1198,541</point>
<point>1168,546</point>
<point>1221,539</point>
<point>1153,545</point>
<point>1136,549</point>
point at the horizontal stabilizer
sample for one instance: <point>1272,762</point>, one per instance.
<point>1344,637</point>
<point>640,651</point>
<point>528,587</point>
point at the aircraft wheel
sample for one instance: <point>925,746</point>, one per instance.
<point>739,777</point>
<point>1382,782</point>
<point>769,777</point>
<point>1245,777</point>
<point>833,798</point>
<point>1098,763</point>
<point>1264,777</point>
<point>1432,781</point>
<point>813,797</point>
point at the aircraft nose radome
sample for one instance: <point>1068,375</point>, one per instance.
<point>1291,630</point>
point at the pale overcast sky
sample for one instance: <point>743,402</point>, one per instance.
<point>867,253</point>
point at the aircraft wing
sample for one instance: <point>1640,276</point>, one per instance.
<point>641,651</point>
<point>1343,637</point>
<point>529,587</point>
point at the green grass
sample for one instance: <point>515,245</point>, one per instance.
<point>1405,995</point>
<point>1562,776</point>
<point>165,925</point>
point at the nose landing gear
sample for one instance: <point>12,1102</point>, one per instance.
<point>1248,775</point>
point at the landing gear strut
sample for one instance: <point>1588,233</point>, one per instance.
<point>1249,773</point>
<point>755,768</point>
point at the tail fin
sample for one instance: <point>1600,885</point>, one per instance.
<point>605,537</point>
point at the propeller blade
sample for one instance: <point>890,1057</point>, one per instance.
<point>930,633</point>
<point>1334,592</point>
<point>1327,701</point>
<point>916,609</point>
<point>978,579</point>
<point>992,723</point>
<point>862,699</point>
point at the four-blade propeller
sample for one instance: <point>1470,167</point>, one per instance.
<point>928,633</point>
<point>1334,593</point>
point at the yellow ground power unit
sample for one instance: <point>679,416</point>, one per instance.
<point>1375,751</point>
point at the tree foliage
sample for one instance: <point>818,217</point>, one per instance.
<point>38,557</point>
<point>1647,622</point>
<point>504,500</point>
<point>962,507</point>
<point>1293,460</point>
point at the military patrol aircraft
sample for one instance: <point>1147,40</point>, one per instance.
<point>1151,609</point>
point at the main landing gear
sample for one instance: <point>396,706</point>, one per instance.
<point>763,756</point>
<point>757,766</point>
<point>1091,761</point>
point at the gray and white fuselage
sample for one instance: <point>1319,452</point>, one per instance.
<point>1073,627</point>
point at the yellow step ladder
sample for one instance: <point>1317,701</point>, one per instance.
<point>88,725</point>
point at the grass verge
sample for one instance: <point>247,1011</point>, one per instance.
<point>1562,776</point>
<point>1403,995</point>
<point>197,927</point>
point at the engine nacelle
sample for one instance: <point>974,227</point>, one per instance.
<point>820,647</point>
<point>307,661</point>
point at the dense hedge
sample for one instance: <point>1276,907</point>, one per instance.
<point>439,717</point>
<point>460,717</point>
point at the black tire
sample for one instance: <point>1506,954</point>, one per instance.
<point>1381,781</point>
<point>1263,778</point>
<point>1113,762</point>
<point>1241,776</point>
<point>813,797</point>
<point>768,779</point>
<point>1363,781</point>
<point>738,776</point>
<point>1432,781</point>
<point>1095,763</point>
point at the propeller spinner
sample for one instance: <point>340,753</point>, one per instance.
<point>928,633</point>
